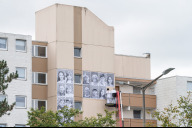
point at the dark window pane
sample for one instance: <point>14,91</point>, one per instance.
<point>42,78</point>
<point>2,125</point>
<point>78,105</point>
<point>189,86</point>
<point>77,52</point>
<point>21,73</point>
<point>2,97</point>
<point>20,101</point>
<point>136,90</point>
<point>137,114</point>
<point>3,43</point>
<point>42,51</point>
<point>20,45</point>
<point>41,104</point>
<point>77,78</point>
<point>19,125</point>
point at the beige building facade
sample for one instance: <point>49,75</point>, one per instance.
<point>74,39</point>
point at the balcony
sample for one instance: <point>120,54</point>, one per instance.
<point>136,100</point>
<point>138,123</point>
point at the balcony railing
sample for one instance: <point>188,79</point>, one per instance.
<point>138,123</point>
<point>136,100</point>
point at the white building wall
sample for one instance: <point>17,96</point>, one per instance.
<point>169,90</point>
<point>18,87</point>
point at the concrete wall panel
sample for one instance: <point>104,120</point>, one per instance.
<point>45,29</point>
<point>65,23</point>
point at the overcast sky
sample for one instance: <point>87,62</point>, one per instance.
<point>160,27</point>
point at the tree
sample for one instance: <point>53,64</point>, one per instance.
<point>177,116</point>
<point>5,79</point>
<point>42,118</point>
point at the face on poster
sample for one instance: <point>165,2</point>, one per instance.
<point>86,78</point>
<point>94,92</point>
<point>102,93</point>
<point>96,83</point>
<point>65,88</point>
<point>110,80</point>
<point>94,79</point>
<point>102,79</point>
<point>86,91</point>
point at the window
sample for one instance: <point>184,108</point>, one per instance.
<point>77,52</point>
<point>77,79</point>
<point>37,104</point>
<point>3,125</point>
<point>20,125</point>
<point>2,98</point>
<point>189,86</point>
<point>136,90</point>
<point>21,73</point>
<point>137,114</point>
<point>3,43</point>
<point>21,45</point>
<point>39,51</point>
<point>39,78</point>
<point>78,105</point>
<point>20,102</point>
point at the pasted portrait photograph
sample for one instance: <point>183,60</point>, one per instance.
<point>86,91</point>
<point>61,77</point>
<point>86,77</point>
<point>102,92</point>
<point>102,80</point>
<point>110,80</point>
<point>69,90</point>
<point>69,77</point>
<point>61,89</point>
<point>69,102</point>
<point>94,79</point>
<point>94,92</point>
<point>60,102</point>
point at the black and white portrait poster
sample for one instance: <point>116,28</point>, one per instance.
<point>65,88</point>
<point>95,84</point>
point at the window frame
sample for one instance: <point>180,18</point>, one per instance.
<point>80,79</point>
<point>34,104</point>
<point>25,74</point>
<point>140,114</point>
<point>137,90</point>
<point>188,87</point>
<point>80,103</point>
<point>25,102</point>
<point>20,125</point>
<point>25,46</point>
<point>5,125</point>
<point>6,49</point>
<point>80,52</point>
<point>34,51</point>
<point>34,76</point>
<point>6,96</point>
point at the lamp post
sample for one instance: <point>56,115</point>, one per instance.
<point>143,88</point>
<point>148,85</point>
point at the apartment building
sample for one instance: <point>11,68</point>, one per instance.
<point>16,50</point>
<point>81,46</point>
<point>72,62</point>
<point>168,90</point>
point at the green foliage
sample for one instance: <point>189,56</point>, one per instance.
<point>5,79</point>
<point>100,121</point>
<point>177,116</point>
<point>42,118</point>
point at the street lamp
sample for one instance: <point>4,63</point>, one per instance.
<point>143,88</point>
